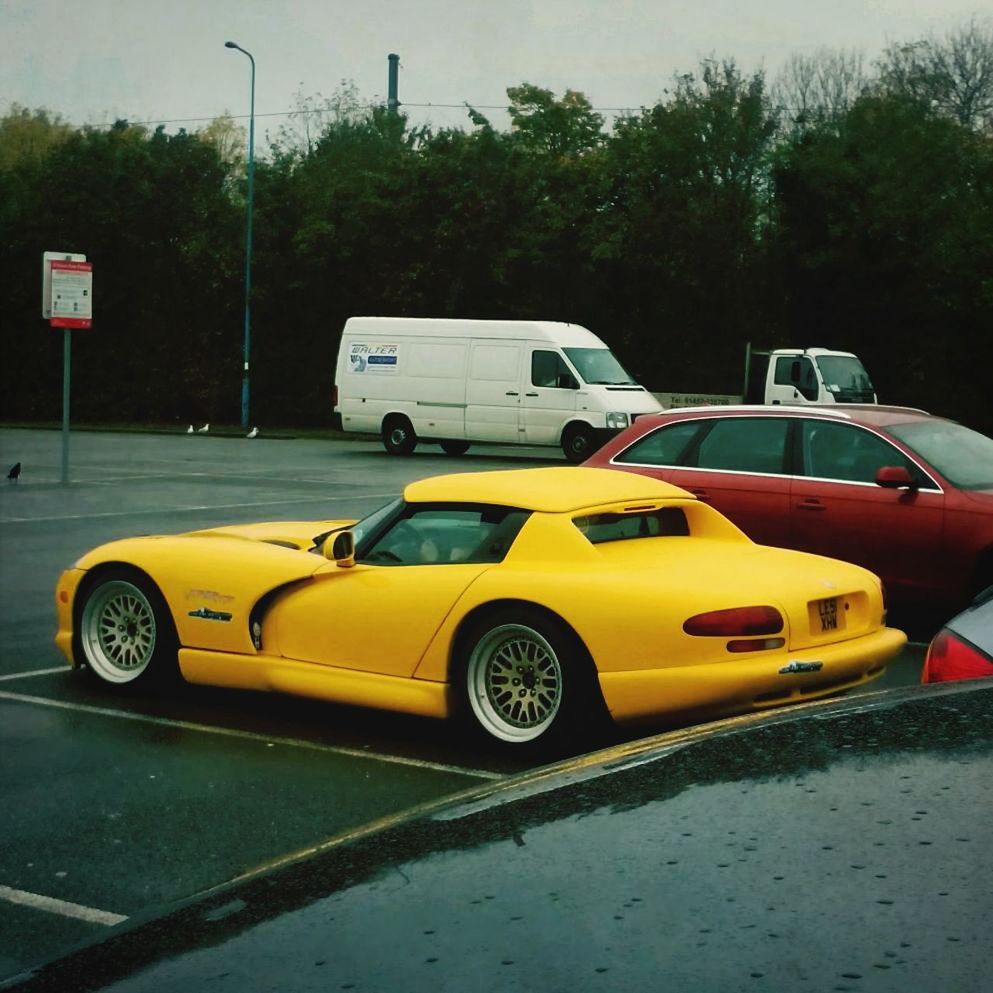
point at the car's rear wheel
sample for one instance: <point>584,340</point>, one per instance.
<point>399,437</point>
<point>124,632</point>
<point>453,447</point>
<point>527,679</point>
<point>578,442</point>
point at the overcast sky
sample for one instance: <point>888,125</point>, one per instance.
<point>93,61</point>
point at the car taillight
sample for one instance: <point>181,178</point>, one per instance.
<point>949,657</point>
<point>735,622</point>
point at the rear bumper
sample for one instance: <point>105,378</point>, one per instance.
<point>734,687</point>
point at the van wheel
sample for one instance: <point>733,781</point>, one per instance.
<point>578,442</point>
<point>398,436</point>
<point>455,447</point>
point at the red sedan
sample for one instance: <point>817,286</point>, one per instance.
<point>899,491</point>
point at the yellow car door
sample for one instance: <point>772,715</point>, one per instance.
<point>374,618</point>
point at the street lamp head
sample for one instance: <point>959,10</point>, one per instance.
<point>231,44</point>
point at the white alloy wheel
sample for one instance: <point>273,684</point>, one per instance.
<point>514,682</point>
<point>117,631</point>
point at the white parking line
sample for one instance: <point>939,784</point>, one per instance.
<point>269,740</point>
<point>61,907</point>
<point>33,672</point>
<point>193,507</point>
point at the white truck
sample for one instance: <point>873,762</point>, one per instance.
<point>454,382</point>
<point>791,376</point>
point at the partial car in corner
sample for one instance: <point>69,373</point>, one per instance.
<point>963,648</point>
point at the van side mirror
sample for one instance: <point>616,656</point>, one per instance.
<point>340,549</point>
<point>895,477</point>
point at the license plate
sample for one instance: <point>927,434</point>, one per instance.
<point>827,612</point>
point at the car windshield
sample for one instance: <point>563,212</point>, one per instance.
<point>367,526</point>
<point>371,524</point>
<point>963,456</point>
<point>844,372</point>
<point>599,367</point>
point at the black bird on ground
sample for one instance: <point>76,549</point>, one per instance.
<point>15,471</point>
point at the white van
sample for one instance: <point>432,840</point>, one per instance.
<point>454,382</point>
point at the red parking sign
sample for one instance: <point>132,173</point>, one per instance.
<point>72,294</point>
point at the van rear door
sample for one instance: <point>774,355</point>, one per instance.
<point>493,392</point>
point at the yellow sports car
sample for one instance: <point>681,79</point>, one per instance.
<point>529,601</point>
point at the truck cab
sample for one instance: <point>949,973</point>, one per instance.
<point>816,376</point>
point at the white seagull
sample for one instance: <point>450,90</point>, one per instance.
<point>254,433</point>
<point>204,429</point>
<point>189,430</point>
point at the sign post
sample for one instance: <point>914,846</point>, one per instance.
<point>66,302</point>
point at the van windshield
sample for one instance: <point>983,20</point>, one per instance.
<point>598,367</point>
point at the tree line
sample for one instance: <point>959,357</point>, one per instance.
<point>844,205</point>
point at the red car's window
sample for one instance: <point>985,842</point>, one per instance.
<point>846,452</point>
<point>664,446</point>
<point>963,456</point>
<point>744,444</point>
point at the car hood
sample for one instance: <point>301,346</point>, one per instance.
<point>212,580</point>
<point>293,534</point>
<point>984,497</point>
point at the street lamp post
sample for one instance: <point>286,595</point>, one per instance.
<point>248,242</point>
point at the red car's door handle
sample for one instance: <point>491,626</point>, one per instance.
<point>701,495</point>
<point>811,503</point>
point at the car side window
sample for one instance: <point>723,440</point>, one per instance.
<point>744,444</point>
<point>548,369</point>
<point>786,374</point>
<point>442,534</point>
<point>664,446</point>
<point>666,522</point>
<point>846,452</point>
<point>797,371</point>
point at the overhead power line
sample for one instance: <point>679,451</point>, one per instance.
<point>321,110</point>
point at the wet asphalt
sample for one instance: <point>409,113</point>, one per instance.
<point>118,805</point>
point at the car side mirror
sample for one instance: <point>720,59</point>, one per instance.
<point>895,477</point>
<point>340,549</point>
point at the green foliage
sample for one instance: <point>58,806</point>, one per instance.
<point>679,234</point>
<point>682,233</point>
<point>886,229</point>
<point>150,212</point>
<point>29,135</point>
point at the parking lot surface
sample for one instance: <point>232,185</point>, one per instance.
<point>117,804</point>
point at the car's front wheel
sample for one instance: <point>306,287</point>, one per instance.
<point>124,632</point>
<point>527,679</point>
